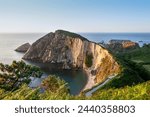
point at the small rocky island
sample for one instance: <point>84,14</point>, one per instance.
<point>23,48</point>
<point>67,50</point>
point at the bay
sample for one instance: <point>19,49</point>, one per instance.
<point>76,79</point>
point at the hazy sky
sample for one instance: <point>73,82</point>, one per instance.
<point>75,15</point>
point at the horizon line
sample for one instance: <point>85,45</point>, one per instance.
<point>65,30</point>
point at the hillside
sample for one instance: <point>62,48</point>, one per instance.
<point>140,56</point>
<point>66,50</point>
<point>133,82</point>
<point>137,92</point>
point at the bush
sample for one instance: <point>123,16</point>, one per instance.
<point>53,83</point>
<point>89,60</point>
<point>137,92</point>
<point>12,76</point>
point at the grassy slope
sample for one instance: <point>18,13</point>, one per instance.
<point>139,55</point>
<point>137,92</point>
<point>134,82</point>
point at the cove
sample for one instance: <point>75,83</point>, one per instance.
<point>76,79</point>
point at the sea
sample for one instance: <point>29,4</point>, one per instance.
<point>76,79</point>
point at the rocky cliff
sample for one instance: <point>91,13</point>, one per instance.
<point>121,45</point>
<point>72,51</point>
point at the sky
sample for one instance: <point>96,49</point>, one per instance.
<point>74,15</point>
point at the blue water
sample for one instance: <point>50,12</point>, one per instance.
<point>75,79</point>
<point>9,42</point>
<point>136,37</point>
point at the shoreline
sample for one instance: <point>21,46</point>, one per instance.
<point>92,90</point>
<point>90,80</point>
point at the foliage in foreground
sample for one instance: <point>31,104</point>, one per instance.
<point>57,89</point>
<point>50,89</point>
<point>12,76</point>
<point>137,92</point>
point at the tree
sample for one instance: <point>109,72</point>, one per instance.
<point>17,73</point>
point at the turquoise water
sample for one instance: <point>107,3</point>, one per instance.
<point>75,79</point>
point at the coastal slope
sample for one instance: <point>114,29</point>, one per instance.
<point>66,50</point>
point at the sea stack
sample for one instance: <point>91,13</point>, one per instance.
<point>67,50</point>
<point>23,48</point>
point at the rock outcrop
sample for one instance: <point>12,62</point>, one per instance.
<point>23,48</point>
<point>121,45</point>
<point>66,50</point>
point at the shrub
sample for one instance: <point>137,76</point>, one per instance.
<point>89,59</point>
<point>12,76</point>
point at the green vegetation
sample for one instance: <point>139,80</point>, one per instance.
<point>71,34</point>
<point>138,55</point>
<point>135,76</point>
<point>89,60</point>
<point>54,88</point>
<point>137,92</point>
<point>14,75</point>
<point>132,74</point>
<point>132,83</point>
<point>147,67</point>
<point>22,93</point>
<point>107,69</point>
<point>14,84</point>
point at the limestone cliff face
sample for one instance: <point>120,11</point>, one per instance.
<point>70,50</point>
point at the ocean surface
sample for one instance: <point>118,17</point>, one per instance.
<point>140,38</point>
<point>75,79</point>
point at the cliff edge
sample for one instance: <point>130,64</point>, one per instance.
<point>66,50</point>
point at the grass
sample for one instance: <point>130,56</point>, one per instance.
<point>139,55</point>
<point>137,92</point>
